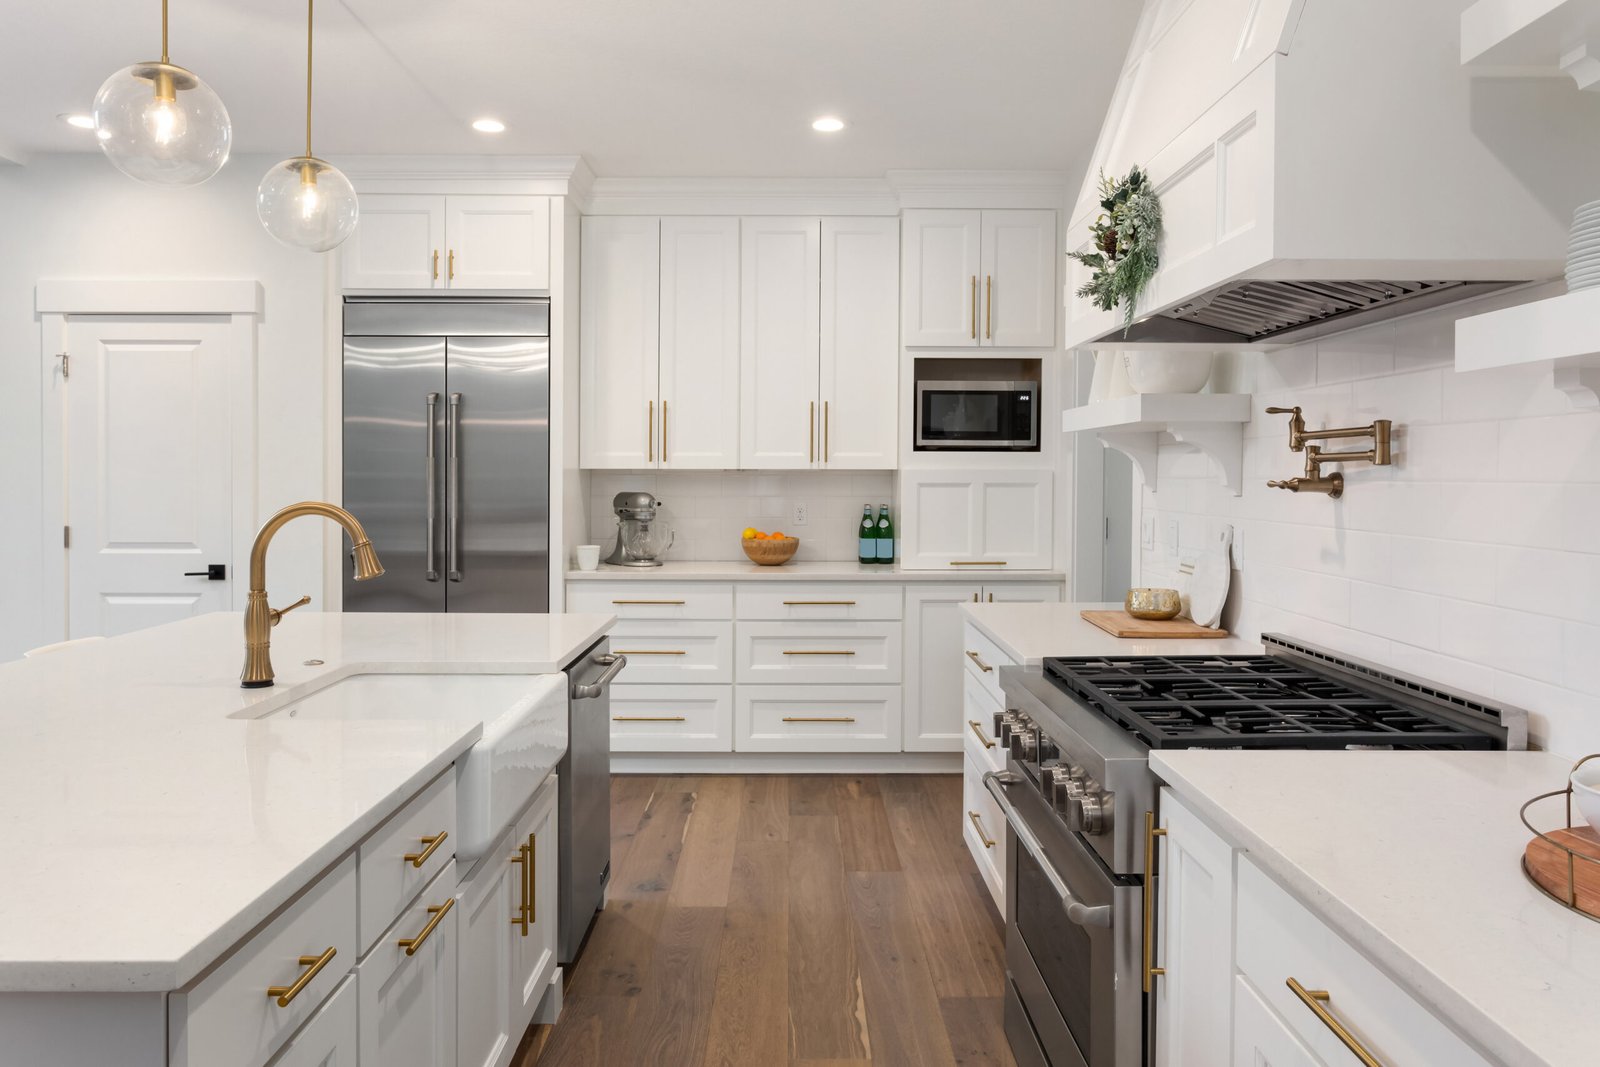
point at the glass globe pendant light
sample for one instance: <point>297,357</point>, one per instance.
<point>306,202</point>
<point>159,123</point>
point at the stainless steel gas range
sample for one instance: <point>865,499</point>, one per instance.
<point>1080,803</point>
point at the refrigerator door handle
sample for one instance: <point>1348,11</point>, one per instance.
<point>431,537</point>
<point>453,530</point>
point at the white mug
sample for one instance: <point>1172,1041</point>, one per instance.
<point>588,557</point>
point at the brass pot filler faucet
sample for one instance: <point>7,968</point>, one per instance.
<point>259,619</point>
<point>1314,481</point>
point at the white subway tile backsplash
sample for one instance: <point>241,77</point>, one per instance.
<point>1474,560</point>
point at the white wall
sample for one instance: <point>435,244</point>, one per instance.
<point>1474,560</point>
<point>77,217</point>
<point>709,509</point>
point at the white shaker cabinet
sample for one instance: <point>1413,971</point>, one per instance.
<point>976,279</point>
<point>406,984</point>
<point>860,363</point>
<point>330,1038</point>
<point>781,276</point>
<point>619,339</point>
<point>406,241</point>
<point>1194,942</point>
<point>976,519</point>
<point>699,376</point>
<point>1260,1038</point>
<point>533,953</point>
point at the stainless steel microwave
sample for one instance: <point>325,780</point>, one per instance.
<point>983,416</point>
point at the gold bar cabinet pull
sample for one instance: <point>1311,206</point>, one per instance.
<point>974,307</point>
<point>977,563</point>
<point>435,264</point>
<point>522,861</point>
<point>1151,832</point>
<point>811,429</point>
<point>650,431</point>
<point>417,859</point>
<point>982,666</point>
<point>819,652</point>
<point>988,307</point>
<point>819,718</point>
<point>977,728</point>
<point>819,603</point>
<point>285,994</point>
<point>988,842</point>
<point>1315,999</point>
<point>649,652</point>
<point>438,911</point>
<point>532,870</point>
<point>824,431</point>
<point>663,431</point>
<point>648,718</point>
<point>657,603</point>
<point>452,266</point>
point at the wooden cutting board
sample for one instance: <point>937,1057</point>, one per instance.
<point>1547,865</point>
<point>1121,624</point>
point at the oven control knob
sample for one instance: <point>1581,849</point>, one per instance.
<point>1091,813</point>
<point>1064,783</point>
<point>1025,746</point>
<point>1047,750</point>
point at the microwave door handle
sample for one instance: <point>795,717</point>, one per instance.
<point>1077,911</point>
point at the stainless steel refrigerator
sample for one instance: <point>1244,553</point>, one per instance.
<point>447,450</point>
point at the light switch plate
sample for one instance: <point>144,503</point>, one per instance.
<point>1172,536</point>
<point>1147,532</point>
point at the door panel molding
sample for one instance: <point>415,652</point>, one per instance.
<point>56,301</point>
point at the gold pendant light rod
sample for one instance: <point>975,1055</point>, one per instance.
<point>310,10</point>
<point>165,58</point>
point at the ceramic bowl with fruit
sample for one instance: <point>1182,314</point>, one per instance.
<point>769,549</point>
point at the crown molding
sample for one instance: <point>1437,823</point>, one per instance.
<point>742,196</point>
<point>981,188</point>
<point>549,175</point>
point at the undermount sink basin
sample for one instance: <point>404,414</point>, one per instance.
<point>524,720</point>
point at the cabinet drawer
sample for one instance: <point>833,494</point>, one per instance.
<point>641,599</point>
<point>228,1017</point>
<point>329,1039</point>
<point>405,853</point>
<point>805,602</point>
<point>672,718</point>
<point>983,827</point>
<point>983,660</point>
<point>817,718</point>
<point>667,651</point>
<point>979,710</point>
<point>819,652</point>
<point>407,984</point>
<point>1279,939</point>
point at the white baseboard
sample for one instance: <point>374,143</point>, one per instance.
<point>788,763</point>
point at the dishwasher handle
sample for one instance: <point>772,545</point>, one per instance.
<point>613,664</point>
<point>1077,911</point>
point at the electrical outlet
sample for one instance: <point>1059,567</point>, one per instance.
<point>1147,532</point>
<point>802,514</point>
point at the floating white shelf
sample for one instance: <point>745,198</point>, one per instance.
<point>1535,34</point>
<point>1137,426</point>
<point>1563,330</point>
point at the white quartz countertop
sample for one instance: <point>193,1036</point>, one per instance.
<point>1030,632</point>
<point>1414,857</point>
<point>806,571</point>
<point>149,822</point>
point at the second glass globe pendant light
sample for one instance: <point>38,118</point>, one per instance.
<point>306,202</point>
<point>159,123</point>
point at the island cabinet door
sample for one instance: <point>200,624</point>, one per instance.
<point>933,719</point>
<point>533,946</point>
<point>1194,940</point>
<point>329,1039</point>
<point>407,984</point>
<point>489,901</point>
<point>1260,1038</point>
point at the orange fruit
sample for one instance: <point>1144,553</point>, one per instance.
<point>778,535</point>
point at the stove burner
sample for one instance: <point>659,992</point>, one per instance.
<point>1247,702</point>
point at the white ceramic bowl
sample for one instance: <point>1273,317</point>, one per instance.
<point>1586,791</point>
<point>1156,371</point>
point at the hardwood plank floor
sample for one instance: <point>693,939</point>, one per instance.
<point>785,921</point>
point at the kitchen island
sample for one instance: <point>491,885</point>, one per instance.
<point>158,817</point>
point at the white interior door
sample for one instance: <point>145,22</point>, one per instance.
<point>149,471</point>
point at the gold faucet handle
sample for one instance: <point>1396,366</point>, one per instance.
<point>1283,411</point>
<point>277,613</point>
<point>1293,485</point>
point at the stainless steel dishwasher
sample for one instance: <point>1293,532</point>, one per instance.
<point>585,800</point>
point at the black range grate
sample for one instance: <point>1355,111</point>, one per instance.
<point>1248,702</point>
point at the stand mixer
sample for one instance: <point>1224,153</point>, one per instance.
<point>639,544</point>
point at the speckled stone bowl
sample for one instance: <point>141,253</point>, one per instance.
<point>1153,603</point>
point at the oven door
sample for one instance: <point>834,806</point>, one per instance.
<point>1073,996</point>
<point>978,416</point>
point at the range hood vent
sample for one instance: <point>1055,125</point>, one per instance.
<point>1264,311</point>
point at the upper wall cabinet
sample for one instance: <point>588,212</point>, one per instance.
<point>819,355</point>
<point>660,343</point>
<point>449,242</point>
<point>976,279</point>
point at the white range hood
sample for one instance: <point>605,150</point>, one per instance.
<point>1325,163</point>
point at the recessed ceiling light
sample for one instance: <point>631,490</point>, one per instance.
<point>78,120</point>
<point>488,125</point>
<point>828,124</point>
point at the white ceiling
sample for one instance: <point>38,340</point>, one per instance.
<point>638,87</point>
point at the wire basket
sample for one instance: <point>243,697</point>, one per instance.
<point>1565,892</point>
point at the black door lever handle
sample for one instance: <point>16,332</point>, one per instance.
<point>214,572</point>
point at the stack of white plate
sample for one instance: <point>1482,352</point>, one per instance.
<point>1583,250</point>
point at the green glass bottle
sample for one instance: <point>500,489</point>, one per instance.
<point>885,543</point>
<point>867,542</point>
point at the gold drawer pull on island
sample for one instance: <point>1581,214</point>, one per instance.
<point>438,911</point>
<point>819,603</point>
<point>982,666</point>
<point>977,728</point>
<point>819,718</point>
<point>1314,999</point>
<point>285,994</point>
<point>648,718</point>
<point>818,652</point>
<point>417,859</point>
<point>988,842</point>
<point>523,860</point>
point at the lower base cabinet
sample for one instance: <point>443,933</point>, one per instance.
<point>1194,941</point>
<point>406,985</point>
<point>1261,1039</point>
<point>330,1038</point>
<point>506,944</point>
